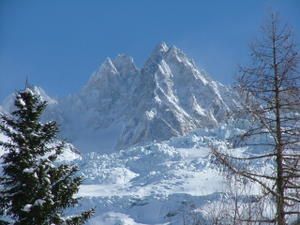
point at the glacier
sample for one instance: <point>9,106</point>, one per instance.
<point>167,182</point>
<point>158,183</point>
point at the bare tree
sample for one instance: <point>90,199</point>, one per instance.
<point>235,207</point>
<point>270,98</point>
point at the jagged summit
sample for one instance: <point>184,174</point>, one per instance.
<point>112,73</point>
<point>160,48</point>
<point>122,105</point>
<point>125,64</point>
<point>108,67</point>
<point>105,75</point>
<point>156,57</point>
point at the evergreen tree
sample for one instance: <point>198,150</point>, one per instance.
<point>34,190</point>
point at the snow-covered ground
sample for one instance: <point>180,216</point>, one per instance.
<point>158,183</point>
<point>154,184</point>
<point>149,184</point>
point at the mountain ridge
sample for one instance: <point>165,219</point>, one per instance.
<point>122,106</point>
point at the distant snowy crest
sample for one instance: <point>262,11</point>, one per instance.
<point>8,103</point>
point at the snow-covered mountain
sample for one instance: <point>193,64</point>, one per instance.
<point>162,118</point>
<point>122,106</point>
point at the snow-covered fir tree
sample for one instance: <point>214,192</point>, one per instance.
<point>34,189</point>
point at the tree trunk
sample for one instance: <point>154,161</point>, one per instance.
<point>279,145</point>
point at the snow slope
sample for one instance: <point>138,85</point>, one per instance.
<point>122,106</point>
<point>162,178</point>
<point>156,183</point>
<point>168,182</point>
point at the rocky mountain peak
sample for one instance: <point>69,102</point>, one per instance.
<point>121,105</point>
<point>107,67</point>
<point>125,64</point>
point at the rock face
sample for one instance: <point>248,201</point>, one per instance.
<point>172,97</point>
<point>122,106</point>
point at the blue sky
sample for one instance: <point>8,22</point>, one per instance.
<point>58,44</point>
